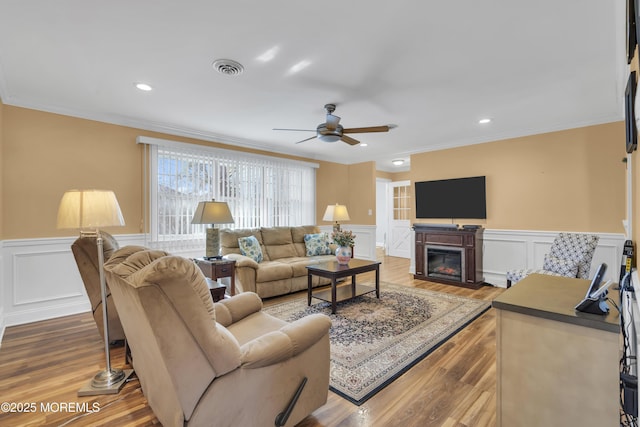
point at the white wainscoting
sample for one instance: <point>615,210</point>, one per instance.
<point>40,279</point>
<point>505,250</point>
<point>365,245</point>
<point>2,294</point>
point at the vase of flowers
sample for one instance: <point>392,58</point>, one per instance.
<point>344,240</point>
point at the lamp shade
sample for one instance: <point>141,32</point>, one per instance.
<point>89,209</point>
<point>212,213</point>
<point>336,213</point>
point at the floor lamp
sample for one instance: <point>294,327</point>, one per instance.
<point>88,211</point>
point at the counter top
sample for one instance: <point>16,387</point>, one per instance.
<point>554,298</point>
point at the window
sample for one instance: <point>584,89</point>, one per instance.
<point>261,191</point>
<point>401,202</point>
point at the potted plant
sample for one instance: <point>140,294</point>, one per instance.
<point>345,240</point>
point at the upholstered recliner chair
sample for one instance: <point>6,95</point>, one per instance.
<point>85,252</point>
<point>570,256</point>
<point>204,364</point>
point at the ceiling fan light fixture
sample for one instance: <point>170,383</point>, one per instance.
<point>329,138</point>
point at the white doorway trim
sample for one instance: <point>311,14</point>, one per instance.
<point>382,212</point>
<point>400,234</point>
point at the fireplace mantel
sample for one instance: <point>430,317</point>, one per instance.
<point>467,240</point>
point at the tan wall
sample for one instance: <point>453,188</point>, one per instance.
<point>362,193</point>
<point>46,154</point>
<point>332,186</point>
<point>350,185</point>
<point>394,176</point>
<point>570,180</point>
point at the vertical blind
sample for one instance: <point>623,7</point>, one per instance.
<point>261,191</point>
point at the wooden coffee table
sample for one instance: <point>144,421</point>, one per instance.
<point>334,271</point>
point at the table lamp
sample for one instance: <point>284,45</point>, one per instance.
<point>88,211</point>
<point>212,213</point>
<point>336,213</point>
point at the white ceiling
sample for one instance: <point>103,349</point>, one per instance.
<point>432,68</point>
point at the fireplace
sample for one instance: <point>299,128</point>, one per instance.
<point>449,254</point>
<point>445,262</point>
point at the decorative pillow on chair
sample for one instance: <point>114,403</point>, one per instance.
<point>317,244</point>
<point>249,246</point>
<point>565,267</point>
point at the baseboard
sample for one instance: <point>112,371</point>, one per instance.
<point>37,314</point>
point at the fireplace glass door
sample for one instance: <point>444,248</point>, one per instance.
<point>445,262</point>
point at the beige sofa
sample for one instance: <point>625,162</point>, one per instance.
<point>283,269</point>
<point>205,364</point>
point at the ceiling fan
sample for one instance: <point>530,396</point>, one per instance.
<point>332,130</point>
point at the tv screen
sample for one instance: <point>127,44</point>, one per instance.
<point>451,198</point>
<point>629,113</point>
<point>631,30</point>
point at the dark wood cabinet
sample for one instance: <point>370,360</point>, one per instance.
<point>458,250</point>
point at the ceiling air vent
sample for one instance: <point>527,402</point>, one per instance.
<point>228,67</point>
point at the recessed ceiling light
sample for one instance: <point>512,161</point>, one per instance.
<point>484,121</point>
<point>363,144</point>
<point>143,86</point>
<point>299,66</point>
<point>269,54</point>
<point>398,162</point>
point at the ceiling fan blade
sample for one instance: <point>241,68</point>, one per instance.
<point>305,140</point>
<point>332,121</point>
<point>297,130</point>
<point>349,140</point>
<point>368,129</point>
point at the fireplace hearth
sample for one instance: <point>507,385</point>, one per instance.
<point>444,262</point>
<point>450,255</point>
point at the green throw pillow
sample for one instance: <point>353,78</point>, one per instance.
<point>249,246</point>
<point>317,244</point>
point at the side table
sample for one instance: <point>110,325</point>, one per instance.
<point>216,269</point>
<point>217,289</point>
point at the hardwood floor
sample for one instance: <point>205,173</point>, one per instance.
<point>43,364</point>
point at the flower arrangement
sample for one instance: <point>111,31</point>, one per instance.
<point>343,238</point>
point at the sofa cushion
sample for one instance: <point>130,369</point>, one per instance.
<point>299,265</point>
<point>317,244</point>
<point>297,234</point>
<point>273,270</point>
<point>250,247</point>
<point>229,240</point>
<point>278,242</point>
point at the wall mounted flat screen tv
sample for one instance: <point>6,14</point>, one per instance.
<point>452,198</point>
<point>630,114</point>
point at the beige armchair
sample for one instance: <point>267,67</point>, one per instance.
<point>224,364</point>
<point>85,253</point>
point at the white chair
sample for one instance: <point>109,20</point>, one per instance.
<point>570,256</point>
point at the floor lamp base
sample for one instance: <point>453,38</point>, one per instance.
<point>90,389</point>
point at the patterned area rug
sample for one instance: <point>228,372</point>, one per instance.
<point>374,341</point>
